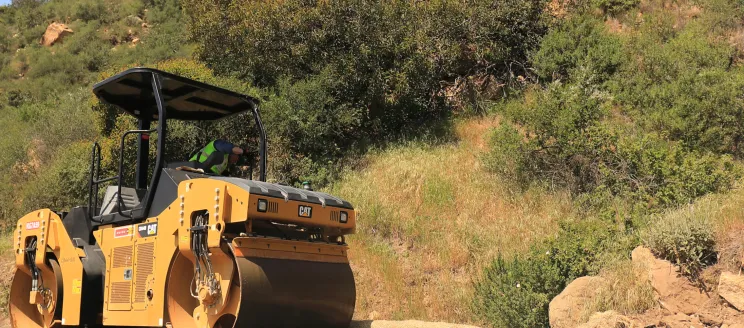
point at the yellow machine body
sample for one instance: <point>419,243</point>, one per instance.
<point>149,265</point>
<point>187,249</point>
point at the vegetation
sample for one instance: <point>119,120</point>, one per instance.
<point>530,142</point>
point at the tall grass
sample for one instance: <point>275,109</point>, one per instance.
<point>431,218</point>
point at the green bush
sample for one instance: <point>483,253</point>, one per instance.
<point>361,73</point>
<point>516,292</point>
<point>614,7</point>
<point>569,142</point>
<point>685,237</point>
<point>508,156</point>
<point>684,85</point>
<point>579,48</point>
<point>63,184</point>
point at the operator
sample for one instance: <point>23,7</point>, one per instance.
<point>217,155</point>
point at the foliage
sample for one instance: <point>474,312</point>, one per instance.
<point>579,48</point>
<point>684,86</point>
<point>516,292</point>
<point>685,237</point>
<point>380,67</point>
<point>614,7</point>
<point>44,90</point>
<point>63,184</point>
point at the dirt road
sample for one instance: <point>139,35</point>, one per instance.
<point>364,324</point>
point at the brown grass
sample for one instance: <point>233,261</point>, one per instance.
<point>7,269</point>
<point>430,219</point>
<point>626,289</point>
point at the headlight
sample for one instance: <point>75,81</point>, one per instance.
<point>344,217</point>
<point>262,205</point>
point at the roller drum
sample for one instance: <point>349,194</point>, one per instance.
<point>294,293</point>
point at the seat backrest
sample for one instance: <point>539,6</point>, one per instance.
<point>128,196</point>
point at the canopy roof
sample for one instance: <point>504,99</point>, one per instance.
<point>185,99</point>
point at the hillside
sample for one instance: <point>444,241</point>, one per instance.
<point>495,152</point>
<point>431,218</point>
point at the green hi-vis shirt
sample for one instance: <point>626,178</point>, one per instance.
<point>212,159</point>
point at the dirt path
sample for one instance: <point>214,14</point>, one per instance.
<point>363,324</point>
<point>404,324</point>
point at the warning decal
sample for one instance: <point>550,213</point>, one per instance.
<point>123,232</point>
<point>77,286</point>
<point>32,225</point>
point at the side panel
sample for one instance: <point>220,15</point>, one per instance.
<point>51,234</point>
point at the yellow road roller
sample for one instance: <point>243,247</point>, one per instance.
<point>180,248</point>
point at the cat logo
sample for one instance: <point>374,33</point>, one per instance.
<point>305,211</point>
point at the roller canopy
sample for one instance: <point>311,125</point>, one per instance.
<point>185,99</point>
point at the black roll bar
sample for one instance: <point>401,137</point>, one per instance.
<point>262,141</point>
<point>157,89</point>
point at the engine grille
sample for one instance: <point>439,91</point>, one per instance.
<point>120,292</point>
<point>143,269</point>
<point>122,257</point>
<point>273,207</point>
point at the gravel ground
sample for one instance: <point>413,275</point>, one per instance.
<point>405,324</point>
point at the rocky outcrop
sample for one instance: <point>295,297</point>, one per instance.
<point>731,289</point>
<point>680,320</point>
<point>609,319</point>
<point>55,32</point>
<point>566,309</point>
<point>674,292</point>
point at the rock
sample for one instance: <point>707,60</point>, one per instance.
<point>680,320</point>
<point>609,319</point>
<point>731,288</point>
<point>55,32</point>
<point>710,320</point>
<point>565,310</point>
<point>674,292</point>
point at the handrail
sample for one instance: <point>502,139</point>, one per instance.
<point>95,173</point>
<point>120,177</point>
<point>94,181</point>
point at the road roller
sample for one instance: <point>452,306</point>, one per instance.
<point>178,247</point>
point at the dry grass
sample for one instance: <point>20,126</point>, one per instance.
<point>626,289</point>
<point>7,263</point>
<point>430,219</point>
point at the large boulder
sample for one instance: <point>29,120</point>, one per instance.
<point>731,288</point>
<point>566,309</point>
<point>609,319</point>
<point>674,292</point>
<point>55,32</point>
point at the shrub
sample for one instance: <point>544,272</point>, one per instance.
<point>569,142</point>
<point>685,237</point>
<point>62,185</point>
<point>365,73</point>
<point>508,156</point>
<point>683,84</point>
<point>516,292</point>
<point>580,43</point>
<point>614,7</point>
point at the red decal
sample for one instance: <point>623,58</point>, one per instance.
<point>145,137</point>
<point>33,225</point>
<point>123,232</point>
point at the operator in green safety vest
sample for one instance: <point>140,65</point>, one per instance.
<point>217,155</point>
